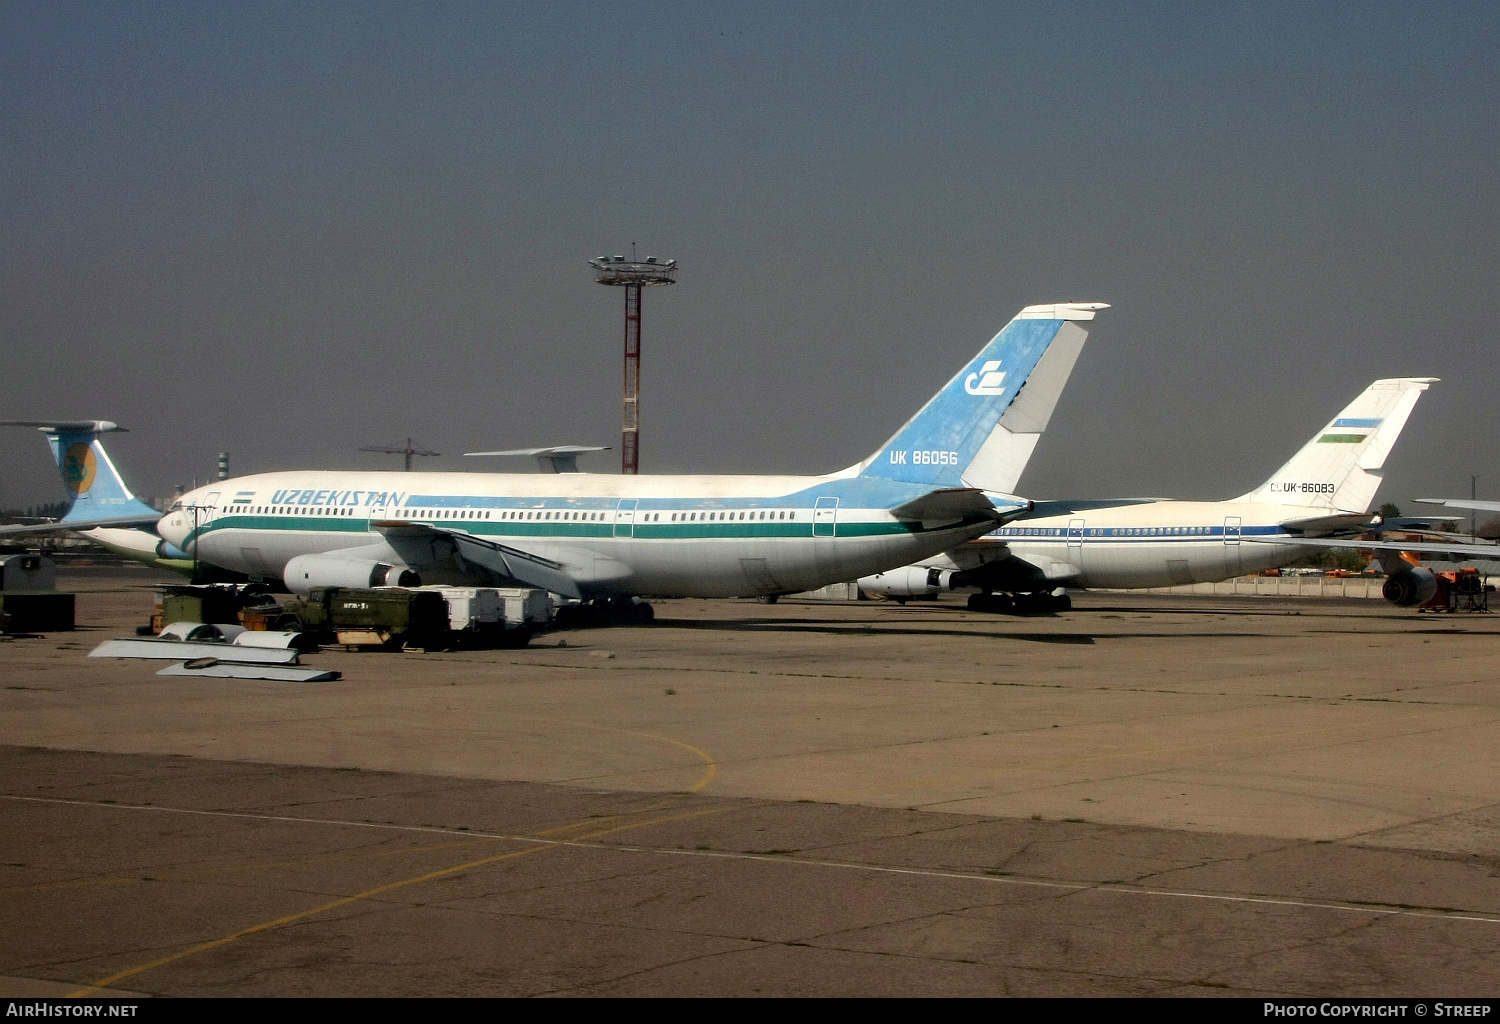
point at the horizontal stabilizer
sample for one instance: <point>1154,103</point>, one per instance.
<point>561,458</point>
<point>69,426</point>
<point>1478,506</point>
<point>61,526</point>
<point>557,449</point>
<point>1314,526</point>
<point>946,505</point>
<point>1457,552</point>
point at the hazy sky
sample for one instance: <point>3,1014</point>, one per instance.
<point>289,231</point>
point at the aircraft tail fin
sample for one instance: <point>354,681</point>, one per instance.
<point>1341,467</point>
<point>981,428</point>
<point>96,491</point>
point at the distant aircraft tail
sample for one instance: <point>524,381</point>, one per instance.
<point>981,428</point>
<point>1341,467</point>
<point>96,492</point>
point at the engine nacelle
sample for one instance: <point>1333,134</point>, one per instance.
<point>307,571</point>
<point>908,581</point>
<point>1410,587</point>
<point>165,549</point>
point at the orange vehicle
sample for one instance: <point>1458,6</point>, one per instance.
<point>1444,590</point>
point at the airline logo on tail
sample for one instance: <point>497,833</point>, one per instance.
<point>988,381</point>
<point>79,467</point>
<point>1354,431</point>
<point>959,429</point>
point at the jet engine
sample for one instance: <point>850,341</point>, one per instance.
<point>1410,587</point>
<point>307,571</point>
<point>908,581</point>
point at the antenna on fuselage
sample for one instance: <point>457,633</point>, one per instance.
<point>408,451</point>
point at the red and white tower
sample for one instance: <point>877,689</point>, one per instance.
<point>632,275</point>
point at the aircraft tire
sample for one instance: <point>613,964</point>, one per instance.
<point>1033,604</point>
<point>996,604</point>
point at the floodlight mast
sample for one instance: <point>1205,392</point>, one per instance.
<point>632,275</point>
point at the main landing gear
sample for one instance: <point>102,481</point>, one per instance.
<point>1020,604</point>
<point>605,611</point>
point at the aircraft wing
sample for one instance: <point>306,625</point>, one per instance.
<point>60,526</point>
<point>1481,506</point>
<point>505,559</point>
<point>1457,552</point>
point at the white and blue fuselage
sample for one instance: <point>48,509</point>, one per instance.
<point>688,536</point>
<point>1143,543</point>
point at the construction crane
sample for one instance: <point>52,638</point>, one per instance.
<point>408,451</point>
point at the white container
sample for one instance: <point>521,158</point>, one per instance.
<point>472,607</point>
<point>526,606</point>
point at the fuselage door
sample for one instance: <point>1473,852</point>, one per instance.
<point>625,518</point>
<point>1232,566</point>
<point>1231,530</point>
<point>1075,533</point>
<point>825,517</point>
<point>379,513</point>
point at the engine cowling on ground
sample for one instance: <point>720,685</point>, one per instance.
<point>307,571</point>
<point>908,581</point>
<point>1410,587</point>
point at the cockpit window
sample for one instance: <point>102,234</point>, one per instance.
<point>176,507</point>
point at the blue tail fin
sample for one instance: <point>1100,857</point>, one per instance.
<point>980,429</point>
<point>95,489</point>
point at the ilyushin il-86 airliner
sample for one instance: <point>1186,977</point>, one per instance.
<point>1327,487</point>
<point>588,536</point>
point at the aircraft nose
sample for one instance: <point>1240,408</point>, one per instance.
<point>171,528</point>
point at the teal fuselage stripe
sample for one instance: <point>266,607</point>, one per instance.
<point>555,530</point>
